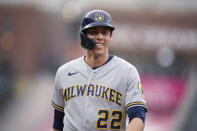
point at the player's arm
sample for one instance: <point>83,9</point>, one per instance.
<point>135,125</point>
<point>57,102</point>
<point>135,102</point>
<point>136,118</point>
<point>58,120</point>
<point>55,130</point>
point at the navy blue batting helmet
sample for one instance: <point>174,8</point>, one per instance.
<point>96,18</point>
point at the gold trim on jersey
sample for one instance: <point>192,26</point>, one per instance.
<point>135,104</point>
<point>56,106</point>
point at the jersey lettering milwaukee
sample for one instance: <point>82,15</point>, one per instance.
<point>93,90</point>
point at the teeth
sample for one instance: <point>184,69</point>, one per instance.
<point>99,44</point>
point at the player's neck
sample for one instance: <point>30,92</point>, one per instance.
<point>96,61</point>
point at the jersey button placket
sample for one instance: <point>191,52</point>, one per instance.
<point>86,104</point>
<point>91,76</point>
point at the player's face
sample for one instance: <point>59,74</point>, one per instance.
<point>102,36</point>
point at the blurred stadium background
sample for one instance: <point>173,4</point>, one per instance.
<point>158,37</point>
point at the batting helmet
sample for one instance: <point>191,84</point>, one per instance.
<point>96,18</point>
<point>91,19</point>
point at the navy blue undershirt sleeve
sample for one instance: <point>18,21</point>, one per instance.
<point>58,120</point>
<point>137,111</point>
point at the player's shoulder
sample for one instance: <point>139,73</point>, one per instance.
<point>70,65</point>
<point>123,63</point>
<point>125,66</point>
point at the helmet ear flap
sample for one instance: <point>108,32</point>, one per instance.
<point>86,42</point>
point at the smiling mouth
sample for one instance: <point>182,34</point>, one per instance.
<point>99,45</point>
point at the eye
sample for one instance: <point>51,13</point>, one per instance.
<point>92,32</point>
<point>105,32</point>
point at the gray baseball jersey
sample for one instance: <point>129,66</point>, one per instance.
<point>96,99</point>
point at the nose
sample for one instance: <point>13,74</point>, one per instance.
<point>99,36</point>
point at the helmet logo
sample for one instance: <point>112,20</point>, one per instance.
<point>99,16</point>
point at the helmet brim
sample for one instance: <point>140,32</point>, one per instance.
<point>95,24</point>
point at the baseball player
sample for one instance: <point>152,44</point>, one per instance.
<point>95,92</point>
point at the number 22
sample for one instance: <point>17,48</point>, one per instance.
<point>102,121</point>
